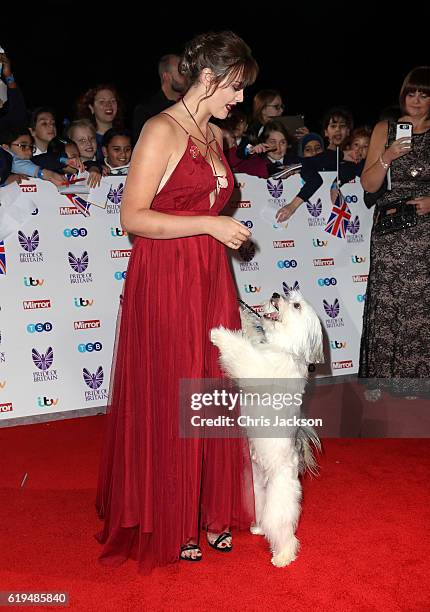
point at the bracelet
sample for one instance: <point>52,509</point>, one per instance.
<point>40,173</point>
<point>385,165</point>
<point>9,79</point>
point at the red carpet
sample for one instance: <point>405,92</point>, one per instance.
<point>364,533</point>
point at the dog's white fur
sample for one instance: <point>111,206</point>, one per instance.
<point>278,348</point>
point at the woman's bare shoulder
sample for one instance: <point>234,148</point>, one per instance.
<point>159,125</point>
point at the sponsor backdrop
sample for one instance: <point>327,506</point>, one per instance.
<point>61,276</point>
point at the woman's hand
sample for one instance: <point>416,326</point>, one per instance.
<point>422,205</point>
<point>284,213</point>
<point>228,231</point>
<point>94,178</point>
<point>397,149</point>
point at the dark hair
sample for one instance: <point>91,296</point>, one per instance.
<point>83,110</point>
<point>38,111</point>
<point>261,100</point>
<point>57,145</point>
<point>8,135</point>
<point>276,126</point>
<point>418,79</point>
<point>110,134</point>
<point>224,53</point>
<point>338,112</point>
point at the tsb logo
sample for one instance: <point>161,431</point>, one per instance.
<point>319,243</point>
<point>33,282</point>
<point>287,263</point>
<point>335,344</point>
<point>326,282</point>
<point>39,327</point>
<point>248,224</point>
<point>361,297</point>
<point>252,289</point>
<point>75,232</point>
<point>120,275</point>
<point>358,259</point>
<point>81,302</point>
<point>118,231</point>
<point>90,347</point>
<point>46,401</point>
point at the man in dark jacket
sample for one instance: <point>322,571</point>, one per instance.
<point>173,86</point>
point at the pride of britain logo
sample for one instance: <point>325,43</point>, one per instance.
<point>333,311</point>
<point>276,189</point>
<point>114,199</point>
<point>247,253</point>
<point>315,210</point>
<point>353,229</point>
<point>288,288</point>
<point>30,244</point>
<point>43,361</point>
<point>94,381</point>
<point>79,265</point>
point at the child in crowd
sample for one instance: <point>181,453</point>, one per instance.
<point>311,145</point>
<point>359,143</point>
<point>337,125</point>
<point>117,152</point>
<point>18,147</point>
<point>83,133</point>
<point>42,128</point>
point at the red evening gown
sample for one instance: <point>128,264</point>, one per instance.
<point>156,490</point>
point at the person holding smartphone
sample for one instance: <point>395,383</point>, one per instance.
<point>396,323</point>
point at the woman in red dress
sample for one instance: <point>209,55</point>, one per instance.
<point>157,490</point>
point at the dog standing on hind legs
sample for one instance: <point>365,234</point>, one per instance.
<point>280,345</point>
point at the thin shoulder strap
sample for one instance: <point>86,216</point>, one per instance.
<point>171,117</point>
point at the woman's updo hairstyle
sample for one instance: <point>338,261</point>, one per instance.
<point>225,54</point>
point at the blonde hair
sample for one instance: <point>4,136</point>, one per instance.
<point>81,123</point>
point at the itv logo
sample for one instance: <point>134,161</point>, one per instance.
<point>118,231</point>
<point>82,302</point>
<point>33,282</point>
<point>44,402</point>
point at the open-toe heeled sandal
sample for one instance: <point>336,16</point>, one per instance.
<point>220,539</point>
<point>187,547</point>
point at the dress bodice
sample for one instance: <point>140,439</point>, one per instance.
<point>191,184</point>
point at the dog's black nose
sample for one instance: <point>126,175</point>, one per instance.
<point>275,296</point>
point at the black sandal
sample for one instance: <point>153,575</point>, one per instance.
<point>216,545</point>
<point>186,547</point>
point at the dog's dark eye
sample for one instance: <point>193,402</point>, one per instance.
<point>297,305</point>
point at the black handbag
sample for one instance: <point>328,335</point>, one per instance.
<point>395,216</point>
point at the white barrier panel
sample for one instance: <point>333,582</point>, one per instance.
<point>61,277</point>
<point>59,301</point>
<point>323,250</point>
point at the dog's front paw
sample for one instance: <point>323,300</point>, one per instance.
<point>256,530</point>
<point>288,554</point>
<point>216,335</point>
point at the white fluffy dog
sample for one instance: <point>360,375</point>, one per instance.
<point>280,345</point>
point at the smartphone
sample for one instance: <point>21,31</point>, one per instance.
<point>403,130</point>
